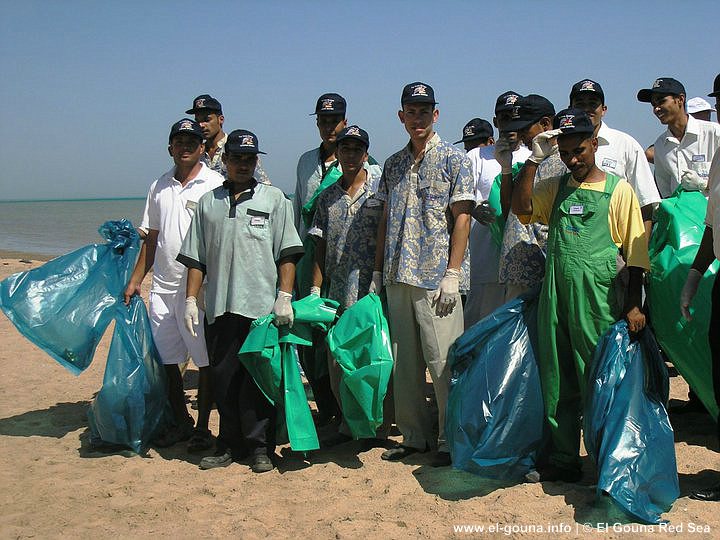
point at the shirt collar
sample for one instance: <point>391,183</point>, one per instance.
<point>199,177</point>
<point>432,143</point>
<point>693,127</point>
<point>603,133</point>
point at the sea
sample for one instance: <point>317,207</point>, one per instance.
<point>52,228</point>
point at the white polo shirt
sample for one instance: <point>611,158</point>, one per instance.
<point>619,154</point>
<point>694,152</point>
<point>169,209</point>
<point>712,217</point>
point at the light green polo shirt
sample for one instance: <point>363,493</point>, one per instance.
<point>237,244</point>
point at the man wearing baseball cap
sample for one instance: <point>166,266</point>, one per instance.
<point>716,92</point>
<point>169,208</point>
<point>522,254</point>
<point>477,132</point>
<point>618,153</point>
<point>209,114</point>
<point>700,109</point>
<point>421,257</point>
<point>591,215</point>
<point>486,292</point>
<point>243,240</point>
<point>684,151</point>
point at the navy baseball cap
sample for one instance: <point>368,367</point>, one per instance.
<point>571,121</point>
<point>242,141</point>
<point>330,104</point>
<point>587,86</point>
<point>716,88</point>
<point>477,128</point>
<point>418,92</point>
<point>354,132</point>
<point>186,126</point>
<point>664,85</point>
<point>506,101</point>
<point>528,110</point>
<point>205,102</point>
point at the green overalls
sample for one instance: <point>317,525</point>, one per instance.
<point>578,303</point>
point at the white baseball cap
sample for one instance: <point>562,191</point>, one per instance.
<point>698,104</point>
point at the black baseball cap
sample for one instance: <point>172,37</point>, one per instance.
<point>477,128</point>
<point>418,92</point>
<point>506,101</point>
<point>330,104</point>
<point>586,85</point>
<point>571,121</point>
<point>186,126</point>
<point>205,102</point>
<point>354,132</point>
<point>716,88</point>
<point>664,85</point>
<point>242,141</point>
<point>528,110</point>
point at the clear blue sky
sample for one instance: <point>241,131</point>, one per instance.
<point>89,89</point>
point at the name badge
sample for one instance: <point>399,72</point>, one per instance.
<point>373,202</point>
<point>191,205</point>
<point>577,210</point>
<point>610,163</point>
<point>257,221</point>
<point>699,157</point>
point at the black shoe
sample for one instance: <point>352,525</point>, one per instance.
<point>441,459</point>
<point>174,435</point>
<point>369,444</point>
<point>709,494</point>
<point>262,463</point>
<point>335,439</point>
<point>218,460</point>
<point>400,452</point>
<point>551,473</point>
<point>687,407</point>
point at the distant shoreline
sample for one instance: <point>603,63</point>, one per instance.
<point>18,255</point>
<point>72,200</point>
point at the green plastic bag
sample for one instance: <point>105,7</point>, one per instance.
<point>679,227</point>
<point>269,355</point>
<point>308,210</point>
<point>360,344</point>
<point>497,229</point>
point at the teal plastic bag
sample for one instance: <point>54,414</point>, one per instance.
<point>626,428</point>
<point>497,229</point>
<point>269,355</point>
<point>360,344</point>
<point>132,405</point>
<point>65,305</point>
<point>679,227</point>
<point>495,415</point>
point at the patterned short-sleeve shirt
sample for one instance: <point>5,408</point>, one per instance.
<point>418,196</point>
<point>522,254</point>
<point>349,227</point>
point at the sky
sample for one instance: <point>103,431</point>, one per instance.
<point>90,89</point>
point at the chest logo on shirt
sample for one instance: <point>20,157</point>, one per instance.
<point>699,157</point>
<point>610,163</point>
<point>576,210</point>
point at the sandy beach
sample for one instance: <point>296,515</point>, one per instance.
<point>55,486</point>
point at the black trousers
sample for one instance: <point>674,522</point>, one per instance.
<point>247,418</point>
<point>714,339</point>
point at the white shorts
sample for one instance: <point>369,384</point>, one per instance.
<point>173,341</point>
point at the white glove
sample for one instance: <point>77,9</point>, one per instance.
<point>446,295</point>
<point>376,283</point>
<point>484,213</point>
<point>688,292</point>
<point>543,145</point>
<point>314,291</point>
<point>192,316</point>
<point>283,309</point>
<point>503,155</point>
<point>691,181</point>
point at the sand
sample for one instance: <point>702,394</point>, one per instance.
<point>53,485</point>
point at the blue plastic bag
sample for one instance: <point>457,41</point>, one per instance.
<point>65,305</point>
<point>132,405</point>
<point>495,414</point>
<point>626,427</point>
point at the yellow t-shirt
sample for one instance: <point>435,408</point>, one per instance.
<point>624,218</point>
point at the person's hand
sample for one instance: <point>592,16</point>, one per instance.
<point>484,213</point>
<point>446,295</point>
<point>691,181</point>
<point>503,155</point>
<point>314,291</point>
<point>192,315</point>
<point>376,283</point>
<point>689,291</point>
<point>132,289</point>
<point>283,309</point>
<point>543,145</point>
<point>635,319</point>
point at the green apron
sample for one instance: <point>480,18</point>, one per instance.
<point>578,303</point>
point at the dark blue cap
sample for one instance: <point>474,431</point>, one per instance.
<point>571,121</point>
<point>664,85</point>
<point>477,128</point>
<point>418,92</point>
<point>242,141</point>
<point>587,86</point>
<point>354,132</point>
<point>529,109</point>
<point>186,126</point>
<point>205,102</point>
<point>506,101</point>
<point>330,104</point>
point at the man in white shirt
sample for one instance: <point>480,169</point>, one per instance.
<point>683,152</point>
<point>476,133</point>
<point>169,209</point>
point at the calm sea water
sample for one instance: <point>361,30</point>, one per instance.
<point>58,227</point>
